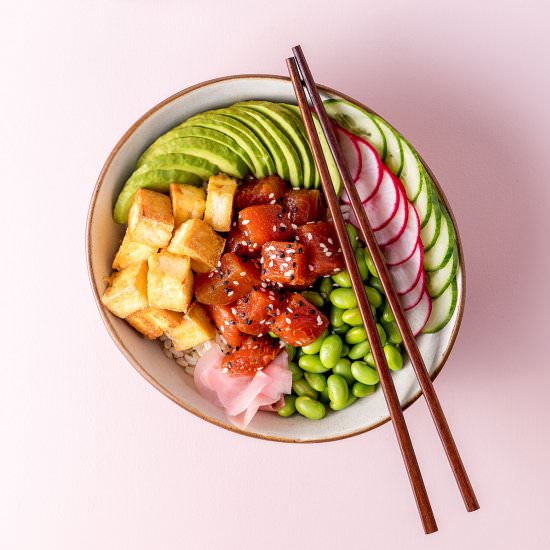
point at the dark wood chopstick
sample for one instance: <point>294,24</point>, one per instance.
<point>386,381</point>
<point>409,341</point>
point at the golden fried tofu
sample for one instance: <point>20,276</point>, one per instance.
<point>219,202</point>
<point>188,202</point>
<point>196,239</point>
<point>150,219</point>
<point>152,322</point>
<point>195,328</point>
<point>131,252</point>
<point>127,290</point>
<point>170,281</point>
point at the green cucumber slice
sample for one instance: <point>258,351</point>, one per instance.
<point>438,281</point>
<point>156,180</point>
<point>443,248</point>
<point>411,173</point>
<point>393,158</point>
<point>358,122</point>
<point>423,202</point>
<point>442,309</point>
<point>430,232</point>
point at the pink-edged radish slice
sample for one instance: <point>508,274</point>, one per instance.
<point>370,175</point>
<point>351,151</point>
<point>393,230</point>
<point>403,248</point>
<point>418,316</point>
<point>409,300</point>
<point>381,207</point>
<point>405,276</point>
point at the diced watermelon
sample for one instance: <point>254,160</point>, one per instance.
<point>267,190</point>
<point>265,222</point>
<point>323,250</point>
<point>253,355</point>
<point>225,321</point>
<point>254,313</point>
<point>304,205</point>
<point>284,263</point>
<point>301,323</point>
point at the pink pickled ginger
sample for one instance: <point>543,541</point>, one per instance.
<point>242,396</point>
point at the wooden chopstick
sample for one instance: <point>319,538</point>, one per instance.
<point>386,381</point>
<point>409,341</point>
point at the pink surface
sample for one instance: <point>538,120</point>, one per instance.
<point>93,457</point>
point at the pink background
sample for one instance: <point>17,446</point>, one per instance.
<point>93,457</point>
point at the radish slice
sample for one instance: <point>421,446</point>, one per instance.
<point>352,154</point>
<point>370,175</point>
<point>418,316</point>
<point>393,230</point>
<point>409,300</point>
<point>406,275</point>
<point>403,248</point>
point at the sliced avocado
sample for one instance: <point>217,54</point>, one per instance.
<point>293,129</point>
<point>179,161</point>
<point>221,155</point>
<point>193,132</point>
<point>155,179</point>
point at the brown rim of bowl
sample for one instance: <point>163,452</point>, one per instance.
<point>135,363</point>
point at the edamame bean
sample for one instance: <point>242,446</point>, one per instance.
<point>360,259</point>
<point>331,350</point>
<point>381,333</point>
<point>289,408</point>
<point>291,351</point>
<point>323,396</point>
<point>338,390</point>
<point>374,297</point>
<point>363,373</point>
<point>310,408</point>
<point>296,371</point>
<point>352,317</point>
<point>369,359</point>
<point>317,381</point>
<point>345,350</point>
<point>315,346</point>
<point>302,387</point>
<point>314,297</point>
<point>370,264</point>
<point>358,351</point>
<point>335,316</point>
<point>312,363</point>
<point>393,357</point>
<point>341,330</point>
<point>355,335</point>
<point>392,332</point>
<point>351,399</point>
<point>387,315</point>
<point>352,234</point>
<point>342,279</point>
<point>343,298</point>
<point>325,287</point>
<point>375,283</point>
<point>272,334</point>
<point>362,390</point>
<point>343,368</point>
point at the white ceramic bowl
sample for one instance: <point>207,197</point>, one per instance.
<point>104,235</point>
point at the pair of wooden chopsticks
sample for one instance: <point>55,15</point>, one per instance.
<point>302,80</point>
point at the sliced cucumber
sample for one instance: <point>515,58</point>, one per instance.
<point>441,251</point>
<point>393,158</point>
<point>411,174</point>
<point>438,281</point>
<point>430,232</point>
<point>442,309</point>
<point>423,202</point>
<point>358,122</point>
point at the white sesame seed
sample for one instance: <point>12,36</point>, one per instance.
<point>274,228</point>
<point>270,263</point>
<point>310,267</point>
<point>233,311</point>
<point>294,226</point>
<point>271,195</point>
<point>245,222</point>
<point>264,285</point>
<point>236,283</point>
<point>230,293</point>
<point>309,236</point>
<point>224,370</point>
<point>330,241</point>
<point>288,321</point>
<point>272,201</point>
<point>259,336</point>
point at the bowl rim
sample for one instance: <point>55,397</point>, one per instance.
<point>133,360</point>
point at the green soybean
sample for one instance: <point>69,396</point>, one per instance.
<point>272,334</point>
<point>393,357</point>
<point>369,359</point>
<point>325,287</point>
<point>317,381</point>
<point>314,297</point>
<point>291,350</point>
<point>310,408</point>
<point>360,259</point>
<point>387,315</point>
<point>335,316</point>
<point>355,335</point>
<point>302,387</point>
<point>358,351</point>
<point>338,390</point>
<point>352,234</point>
<point>331,350</point>
<point>314,347</point>
<point>343,298</point>
<point>381,333</point>
<point>342,279</point>
<point>296,371</point>
<point>362,390</point>
<point>323,396</point>
<point>345,350</point>
<point>341,329</point>
<point>289,408</point>
<point>351,399</point>
<point>343,368</point>
<point>312,363</point>
<point>374,297</point>
<point>363,373</point>
<point>352,317</point>
<point>392,332</point>
<point>374,282</point>
<point>370,264</point>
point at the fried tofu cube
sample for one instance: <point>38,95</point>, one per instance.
<point>170,281</point>
<point>195,328</point>
<point>152,322</point>
<point>196,239</point>
<point>188,202</point>
<point>150,219</point>
<point>127,290</point>
<point>219,202</point>
<point>131,252</point>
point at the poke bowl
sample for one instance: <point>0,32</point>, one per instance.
<point>215,271</point>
